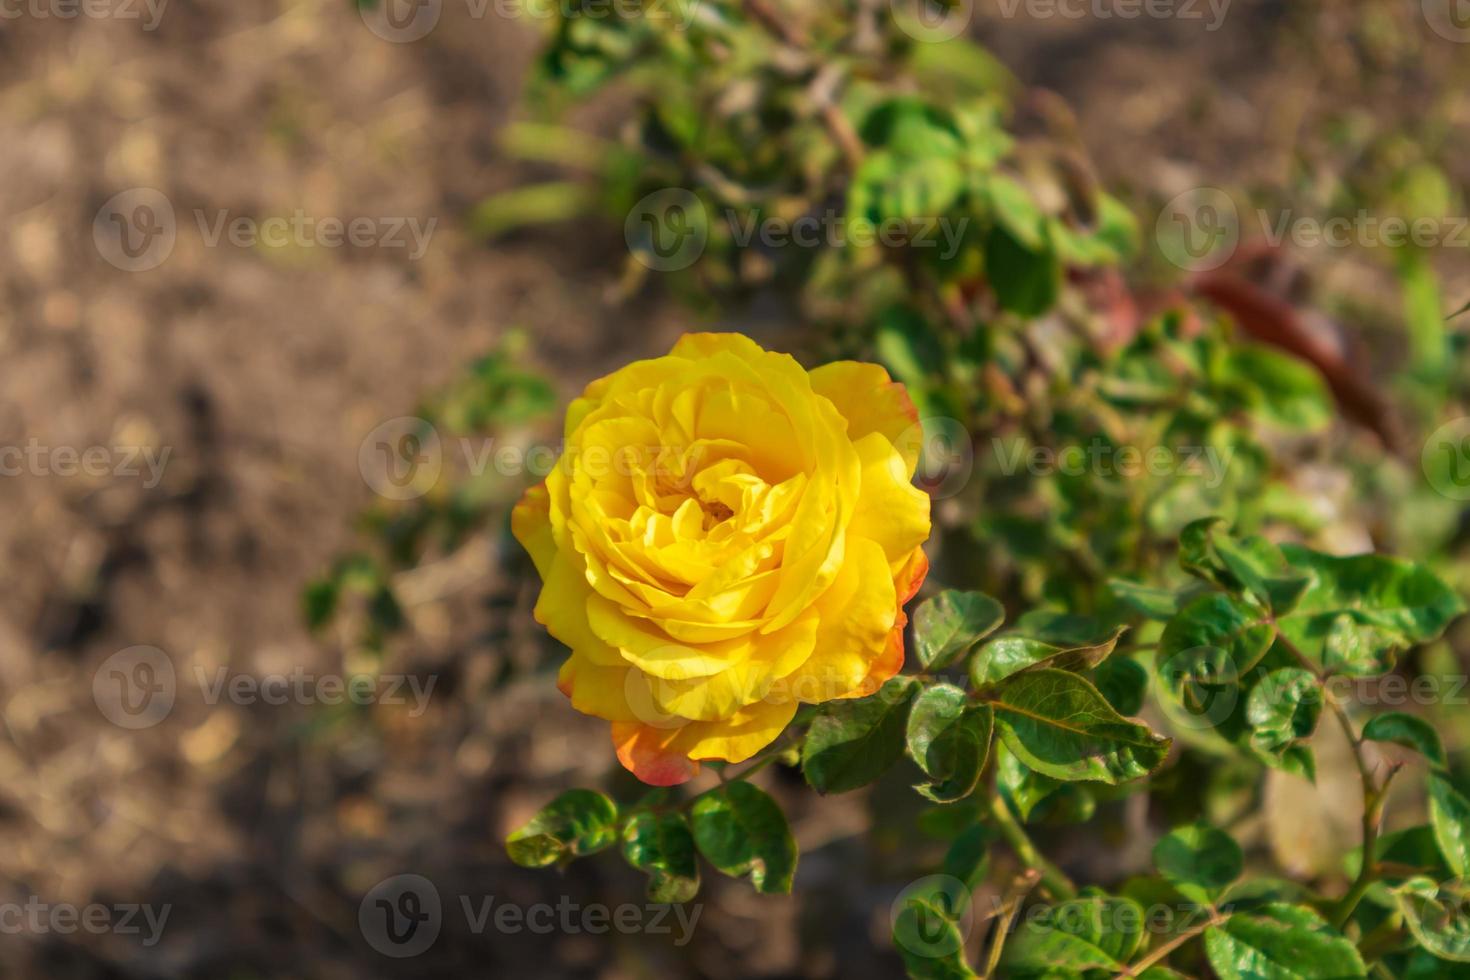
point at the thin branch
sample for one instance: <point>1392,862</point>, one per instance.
<point>1375,794</point>
<point>1162,953</point>
<point>1015,895</point>
<point>1052,878</point>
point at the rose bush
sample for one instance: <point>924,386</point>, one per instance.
<point>726,535</point>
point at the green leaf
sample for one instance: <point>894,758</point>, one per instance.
<point>1009,655</point>
<point>1221,622</point>
<point>1015,209</point>
<point>576,823</point>
<point>662,845</point>
<point>319,601</point>
<point>1358,649</point>
<point>1152,603</point>
<point>889,186</point>
<point>1276,388</point>
<point>1283,942</point>
<point>1402,602</point>
<point>1093,933</point>
<point>1026,281</point>
<point>949,738</point>
<point>741,831</point>
<point>853,742</point>
<point>1403,854</point>
<point>907,346</point>
<point>1424,318</point>
<point>949,625</point>
<point>1283,709</point>
<point>1449,814</point>
<point>1422,965</point>
<point>1037,797</point>
<point>1435,914</point>
<point>929,942</point>
<point>1409,731</point>
<point>1124,682</point>
<point>1058,724</point>
<point>968,857</point>
<point>1200,860</point>
<point>1251,566</point>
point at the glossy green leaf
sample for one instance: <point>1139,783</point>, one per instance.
<point>930,942</point>
<point>1281,942</point>
<point>853,742</point>
<point>578,822</point>
<point>1124,682</point>
<point>1283,709</point>
<point>1436,915</point>
<point>742,831</point>
<point>1058,724</point>
<point>662,845</point>
<point>1006,656</point>
<point>1094,933</point>
<point>1250,566</point>
<point>1148,601</point>
<point>1201,861</point>
<point>949,738</point>
<point>1401,602</point>
<point>1449,815</point>
<point>1038,798</point>
<point>1409,731</point>
<point>1220,622</point>
<point>949,625</point>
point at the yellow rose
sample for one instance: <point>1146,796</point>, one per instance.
<point>726,535</point>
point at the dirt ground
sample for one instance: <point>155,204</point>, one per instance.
<point>261,371</point>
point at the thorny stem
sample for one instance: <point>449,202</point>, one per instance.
<point>1015,895</point>
<point>780,26</point>
<point>1162,953</point>
<point>1375,794</point>
<point>1052,878</point>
